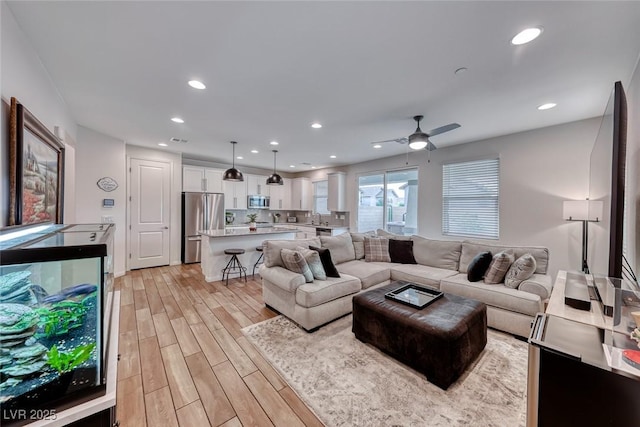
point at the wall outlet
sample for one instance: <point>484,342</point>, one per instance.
<point>106,219</point>
<point>342,216</point>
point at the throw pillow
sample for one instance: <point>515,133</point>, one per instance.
<point>327,262</point>
<point>478,266</point>
<point>402,251</point>
<point>313,260</point>
<point>376,249</point>
<point>521,269</point>
<point>294,261</point>
<point>358,243</point>
<point>384,233</point>
<point>341,247</point>
<point>498,268</point>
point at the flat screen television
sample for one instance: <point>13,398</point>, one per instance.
<point>607,183</point>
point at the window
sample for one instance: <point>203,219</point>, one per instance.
<point>389,200</point>
<point>470,202</point>
<point>320,195</point>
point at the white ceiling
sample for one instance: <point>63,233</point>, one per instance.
<point>362,69</point>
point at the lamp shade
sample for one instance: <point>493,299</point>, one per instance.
<point>275,179</point>
<point>233,174</point>
<point>582,210</point>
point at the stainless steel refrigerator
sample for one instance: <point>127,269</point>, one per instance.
<point>200,211</point>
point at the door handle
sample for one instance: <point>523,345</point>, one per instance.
<point>165,227</point>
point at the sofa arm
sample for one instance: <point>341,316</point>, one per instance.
<point>281,277</point>
<point>539,284</point>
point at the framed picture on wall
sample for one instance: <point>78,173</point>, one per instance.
<point>36,170</point>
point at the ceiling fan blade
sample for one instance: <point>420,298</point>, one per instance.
<point>430,146</point>
<point>443,129</point>
<point>402,140</point>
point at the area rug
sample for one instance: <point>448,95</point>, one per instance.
<point>348,383</point>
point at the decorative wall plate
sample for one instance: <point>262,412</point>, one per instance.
<point>107,184</point>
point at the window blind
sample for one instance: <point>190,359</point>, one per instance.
<point>470,199</point>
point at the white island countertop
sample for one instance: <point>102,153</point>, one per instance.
<point>244,231</point>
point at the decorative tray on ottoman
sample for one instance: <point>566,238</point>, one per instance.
<point>414,295</point>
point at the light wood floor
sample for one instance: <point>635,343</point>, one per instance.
<point>184,361</point>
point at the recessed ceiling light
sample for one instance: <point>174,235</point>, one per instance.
<point>313,167</point>
<point>316,125</point>
<point>332,156</point>
<point>254,151</point>
<point>547,106</point>
<point>377,146</point>
<point>239,157</point>
<point>196,84</point>
<point>274,143</point>
<point>526,35</point>
<point>292,166</point>
<point>162,144</point>
<point>177,120</point>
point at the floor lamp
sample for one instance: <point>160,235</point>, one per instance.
<point>585,211</point>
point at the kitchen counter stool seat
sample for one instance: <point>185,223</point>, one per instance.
<point>234,266</point>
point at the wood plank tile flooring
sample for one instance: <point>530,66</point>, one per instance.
<point>184,361</point>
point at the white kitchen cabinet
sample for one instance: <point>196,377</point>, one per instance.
<point>235,194</point>
<point>305,232</point>
<point>200,179</point>
<point>257,185</point>
<point>280,196</point>
<point>213,178</point>
<point>193,178</point>
<point>301,194</point>
<point>337,198</point>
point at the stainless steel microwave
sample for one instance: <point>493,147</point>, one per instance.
<point>258,202</point>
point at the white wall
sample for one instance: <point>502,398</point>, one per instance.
<point>538,170</point>
<point>24,77</point>
<point>97,156</point>
<point>135,152</point>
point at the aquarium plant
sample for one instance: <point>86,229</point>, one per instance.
<point>60,317</point>
<point>67,361</point>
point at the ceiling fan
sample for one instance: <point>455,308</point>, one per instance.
<point>419,140</point>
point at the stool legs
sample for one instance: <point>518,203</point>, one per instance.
<point>234,266</point>
<point>258,262</point>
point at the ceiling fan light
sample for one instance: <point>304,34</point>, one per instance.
<point>418,140</point>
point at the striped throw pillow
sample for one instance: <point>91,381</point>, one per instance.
<point>294,261</point>
<point>376,249</point>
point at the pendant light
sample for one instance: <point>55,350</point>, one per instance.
<point>275,179</point>
<point>233,174</point>
<point>418,140</point>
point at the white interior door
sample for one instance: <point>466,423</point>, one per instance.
<point>150,213</point>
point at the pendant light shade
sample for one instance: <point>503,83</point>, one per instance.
<point>275,179</point>
<point>233,174</point>
<point>418,140</point>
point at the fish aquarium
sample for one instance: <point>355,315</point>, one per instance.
<point>56,290</point>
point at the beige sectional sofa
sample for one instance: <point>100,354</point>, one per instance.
<point>440,265</point>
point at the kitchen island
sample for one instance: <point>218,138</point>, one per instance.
<point>214,243</point>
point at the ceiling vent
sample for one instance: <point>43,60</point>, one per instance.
<point>178,140</point>
<point>306,163</point>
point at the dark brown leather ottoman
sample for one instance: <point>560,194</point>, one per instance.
<point>440,341</point>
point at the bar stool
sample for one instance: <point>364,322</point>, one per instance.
<point>234,266</point>
<point>259,261</point>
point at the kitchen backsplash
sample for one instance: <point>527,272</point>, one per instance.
<point>302,217</point>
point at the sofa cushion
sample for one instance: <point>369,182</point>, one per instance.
<point>341,247</point>
<point>421,274</point>
<point>471,249</point>
<point>493,295</point>
<point>323,291</point>
<point>358,243</point>
<point>272,248</point>
<point>436,253</point>
<point>384,233</point>
<point>313,260</point>
<point>369,273</point>
<point>401,251</point>
<point>520,270</point>
<point>327,262</point>
<point>498,268</point>
<point>376,249</point>
<point>479,266</point>
<point>294,261</point>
